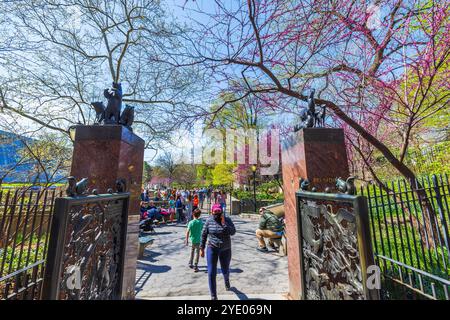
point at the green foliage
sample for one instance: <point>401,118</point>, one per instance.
<point>432,160</point>
<point>184,176</point>
<point>147,172</point>
<point>204,174</point>
<point>222,175</point>
<point>264,191</point>
<point>422,160</point>
<point>13,259</point>
<point>234,115</point>
<point>269,190</point>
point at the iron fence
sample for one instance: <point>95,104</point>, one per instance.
<point>410,233</point>
<point>25,218</point>
<point>248,205</point>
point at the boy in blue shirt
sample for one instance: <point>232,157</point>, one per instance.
<point>194,233</point>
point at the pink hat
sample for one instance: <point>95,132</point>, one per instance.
<point>216,207</point>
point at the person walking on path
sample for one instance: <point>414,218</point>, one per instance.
<point>222,200</point>
<point>202,195</point>
<point>172,208</point>
<point>195,202</point>
<point>189,208</point>
<point>217,230</point>
<point>179,208</point>
<point>194,233</point>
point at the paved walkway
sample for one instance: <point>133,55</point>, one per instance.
<point>163,273</point>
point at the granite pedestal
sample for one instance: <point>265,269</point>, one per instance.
<point>104,154</point>
<point>317,154</point>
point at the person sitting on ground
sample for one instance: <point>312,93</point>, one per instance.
<point>153,212</point>
<point>269,227</point>
<point>143,209</point>
<point>194,233</point>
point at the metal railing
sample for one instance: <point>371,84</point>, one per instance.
<point>25,218</point>
<point>410,233</point>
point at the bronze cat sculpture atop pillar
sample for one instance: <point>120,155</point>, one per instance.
<point>111,113</point>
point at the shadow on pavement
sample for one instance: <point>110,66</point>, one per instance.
<point>239,294</point>
<point>156,233</point>
<point>141,281</point>
<point>147,267</point>
<point>150,256</point>
<point>232,270</point>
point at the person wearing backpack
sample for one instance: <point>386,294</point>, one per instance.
<point>270,227</point>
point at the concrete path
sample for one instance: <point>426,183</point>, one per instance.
<point>163,273</point>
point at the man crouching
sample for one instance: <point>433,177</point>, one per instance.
<point>271,227</point>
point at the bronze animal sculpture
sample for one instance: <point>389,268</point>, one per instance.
<point>127,117</point>
<point>114,106</point>
<point>347,186</point>
<point>304,184</point>
<point>310,117</point>
<point>76,188</point>
<point>320,117</point>
<point>71,188</point>
<point>82,186</point>
<point>111,114</point>
<point>121,185</point>
<point>99,108</point>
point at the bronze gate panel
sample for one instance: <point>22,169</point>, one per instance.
<point>86,249</point>
<point>335,248</point>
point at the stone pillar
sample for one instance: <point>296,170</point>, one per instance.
<point>105,153</point>
<point>317,154</point>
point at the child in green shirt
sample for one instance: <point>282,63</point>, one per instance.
<point>194,233</point>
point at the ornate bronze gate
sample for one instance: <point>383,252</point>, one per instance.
<point>335,248</point>
<point>86,249</point>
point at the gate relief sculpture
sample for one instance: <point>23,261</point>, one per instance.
<point>86,249</point>
<point>332,265</point>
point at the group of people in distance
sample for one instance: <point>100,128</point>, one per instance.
<point>177,205</point>
<point>210,238</point>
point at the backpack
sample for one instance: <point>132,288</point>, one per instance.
<point>276,223</point>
